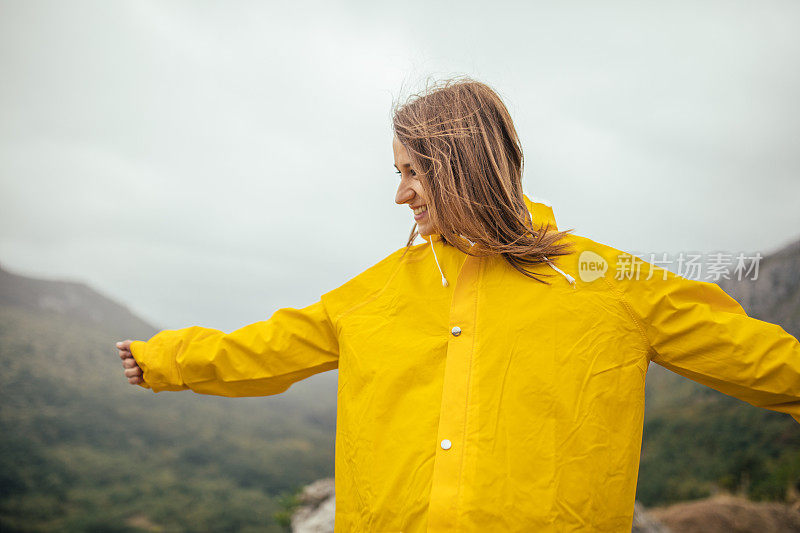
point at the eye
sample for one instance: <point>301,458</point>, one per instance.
<point>413,172</point>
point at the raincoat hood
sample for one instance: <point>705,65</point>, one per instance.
<point>541,213</point>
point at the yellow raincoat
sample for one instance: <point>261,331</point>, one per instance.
<point>495,403</point>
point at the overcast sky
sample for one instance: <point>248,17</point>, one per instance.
<point>206,163</point>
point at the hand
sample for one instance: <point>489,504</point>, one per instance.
<point>132,370</point>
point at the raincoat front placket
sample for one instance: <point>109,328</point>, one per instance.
<point>454,409</point>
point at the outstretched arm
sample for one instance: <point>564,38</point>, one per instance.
<point>260,359</point>
<point>697,330</point>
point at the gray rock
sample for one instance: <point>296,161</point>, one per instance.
<point>316,511</point>
<point>644,523</point>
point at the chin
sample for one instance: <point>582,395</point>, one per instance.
<point>425,231</point>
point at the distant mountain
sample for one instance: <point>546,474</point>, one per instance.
<point>774,296</point>
<point>76,300</point>
<point>83,450</point>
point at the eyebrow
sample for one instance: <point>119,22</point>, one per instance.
<point>403,165</point>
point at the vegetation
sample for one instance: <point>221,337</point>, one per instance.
<point>82,450</point>
<point>698,442</point>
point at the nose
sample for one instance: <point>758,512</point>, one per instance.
<point>404,194</point>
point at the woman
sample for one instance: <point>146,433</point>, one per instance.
<point>491,378</point>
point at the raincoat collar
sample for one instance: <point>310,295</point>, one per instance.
<point>541,213</point>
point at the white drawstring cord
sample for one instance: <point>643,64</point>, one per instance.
<point>570,279</point>
<point>444,279</point>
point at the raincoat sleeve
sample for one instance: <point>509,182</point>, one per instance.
<point>697,330</point>
<point>260,359</point>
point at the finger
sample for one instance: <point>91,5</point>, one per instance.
<point>135,380</point>
<point>124,345</point>
<point>133,372</point>
<point>125,355</point>
<point>129,363</point>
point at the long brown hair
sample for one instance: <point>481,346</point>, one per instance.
<point>465,150</point>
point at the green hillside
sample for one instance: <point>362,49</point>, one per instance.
<point>82,450</point>
<point>712,442</point>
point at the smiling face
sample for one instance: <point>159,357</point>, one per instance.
<point>410,189</point>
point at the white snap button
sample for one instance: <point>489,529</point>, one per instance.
<point>456,331</point>
<point>446,444</point>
